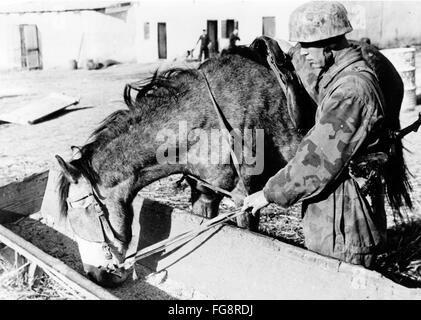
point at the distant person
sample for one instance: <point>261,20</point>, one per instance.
<point>365,40</point>
<point>233,39</point>
<point>204,43</point>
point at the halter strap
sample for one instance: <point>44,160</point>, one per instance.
<point>107,230</point>
<point>100,209</point>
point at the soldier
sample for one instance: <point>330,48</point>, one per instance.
<point>204,43</point>
<point>338,220</point>
<point>233,39</point>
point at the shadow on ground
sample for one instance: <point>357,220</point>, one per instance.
<point>402,260</point>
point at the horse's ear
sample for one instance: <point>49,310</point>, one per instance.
<point>68,170</point>
<point>76,151</point>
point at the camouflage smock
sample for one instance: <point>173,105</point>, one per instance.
<point>338,221</point>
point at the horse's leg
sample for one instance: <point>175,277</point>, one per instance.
<point>205,202</point>
<point>246,220</point>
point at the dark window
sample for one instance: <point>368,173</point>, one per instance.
<point>146,30</point>
<point>268,26</point>
<point>227,27</point>
<point>162,40</point>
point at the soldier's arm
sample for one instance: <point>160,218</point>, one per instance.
<point>343,125</point>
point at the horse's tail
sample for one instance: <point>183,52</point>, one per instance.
<point>396,176</point>
<point>396,173</point>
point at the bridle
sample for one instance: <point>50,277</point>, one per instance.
<point>108,236</point>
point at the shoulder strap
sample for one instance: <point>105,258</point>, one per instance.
<point>374,86</point>
<point>360,72</point>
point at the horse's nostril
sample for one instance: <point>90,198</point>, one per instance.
<point>105,277</point>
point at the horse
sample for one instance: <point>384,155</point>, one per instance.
<point>121,156</point>
<point>167,129</point>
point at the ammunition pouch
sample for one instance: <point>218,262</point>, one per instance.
<point>369,167</point>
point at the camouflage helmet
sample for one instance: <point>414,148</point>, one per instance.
<point>318,20</point>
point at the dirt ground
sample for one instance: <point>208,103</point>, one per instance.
<point>26,149</point>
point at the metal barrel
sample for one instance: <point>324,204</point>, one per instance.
<point>403,60</point>
<point>72,64</point>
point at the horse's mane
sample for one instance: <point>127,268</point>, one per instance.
<point>163,85</point>
<point>253,54</point>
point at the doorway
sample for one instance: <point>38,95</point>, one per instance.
<point>212,27</point>
<point>29,44</point>
<point>230,26</point>
<point>162,40</point>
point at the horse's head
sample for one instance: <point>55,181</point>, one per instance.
<point>101,251</point>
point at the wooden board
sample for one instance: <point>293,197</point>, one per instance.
<point>19,199</point>
<point>37,110</point>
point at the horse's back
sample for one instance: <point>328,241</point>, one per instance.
<point>246,90</point>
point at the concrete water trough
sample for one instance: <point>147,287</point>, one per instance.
<point>222,263</point>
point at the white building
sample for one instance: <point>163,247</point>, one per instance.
<point>50,34</point>
<point>184,20</point>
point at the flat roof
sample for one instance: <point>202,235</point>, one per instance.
<point>60,6</point>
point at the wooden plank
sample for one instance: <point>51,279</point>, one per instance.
<point>58,268</point>
<point>39,109</point>
<point>20,199</point>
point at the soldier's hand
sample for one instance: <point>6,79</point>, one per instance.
<point>256,201</point>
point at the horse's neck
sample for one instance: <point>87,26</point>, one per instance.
<point>138,156</point>
<point>151,174</point>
